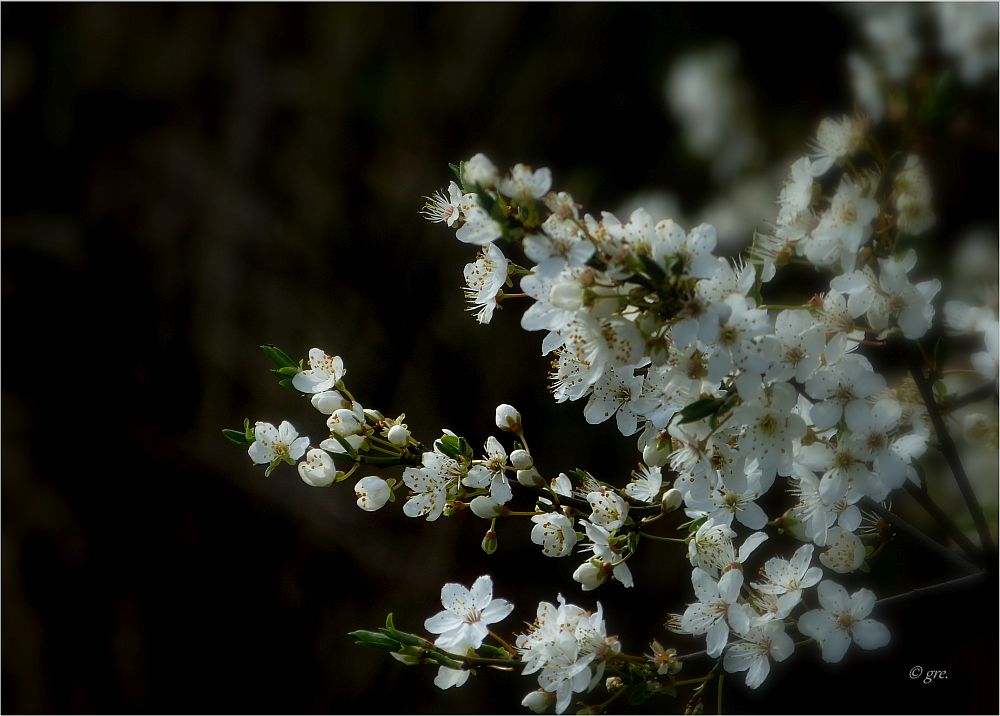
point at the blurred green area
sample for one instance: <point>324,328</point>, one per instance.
<point>185,182</point>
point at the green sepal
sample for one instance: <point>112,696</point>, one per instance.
<point>375,640</point>
<point>278,356</point>
<point>700,409</point>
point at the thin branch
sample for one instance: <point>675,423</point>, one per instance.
<point>949,451</point>
<point>966,582</point>
<point>915,534</point>
<point>931,507</point>
<point>989,390</point>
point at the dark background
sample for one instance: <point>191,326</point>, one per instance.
<point>185,182</point>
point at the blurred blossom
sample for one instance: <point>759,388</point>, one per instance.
<point>747,205</point>
<point>866,86</point>
<point>713,107</point>
<point>659,204</point>
<point>975,260</point>
<point>889,31</point>
<point>968,32</point>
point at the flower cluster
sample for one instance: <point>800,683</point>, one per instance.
<point>750,419</point>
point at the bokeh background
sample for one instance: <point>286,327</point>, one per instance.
<point>185,182</point>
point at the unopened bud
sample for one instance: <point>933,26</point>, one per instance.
<point>489,544</point>
<point>485,507</point>
<point>794,526</point>
<point>521,459</point>
<point>656,456</point>
<point>530,478</point>
<point>399,436</point>
<point>329,401</point>
<point>613,683</point>
<point>539,701</point>
<point>671,500</point>
<point>507,418</point>
<point>568,295</point>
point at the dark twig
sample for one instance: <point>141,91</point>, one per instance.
<point>969,580</point>
<point>949,451</point>
<point>989,390</point>
<point>918,536</point>
<point>931,507</point>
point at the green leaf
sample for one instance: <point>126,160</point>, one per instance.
<point>351,452</point>
<point>450,446</point>
<point>289,371</point>
<point>237,437</point>
<point>375,640</point>
<point>639,694</point>
<point>652,269</point>
<point>494,652</point>
<point>277,356</point>
<point>701,409</point>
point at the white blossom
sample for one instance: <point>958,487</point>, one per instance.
<point>841,619</point>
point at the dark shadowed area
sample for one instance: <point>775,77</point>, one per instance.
<point>185,182</point>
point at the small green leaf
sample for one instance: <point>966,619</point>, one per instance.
<point>237,437</point>
<point>450,446</point>
<point>701,409</point>
<point>652,269</point>
<point>639,694</point>
<point>375,640</point>
<point>289,371</point>
<point>277,356</point>
<point>494,652</point>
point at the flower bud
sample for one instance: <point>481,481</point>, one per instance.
<point>485,507</point>
<point>794,526</point>
<point>591,574</point>
<point>375,415</point>
<point>489,543</point>
<point>329,401</point>
<point>530,478</point>
<point>613,683</point>
<point>539,701</point>
<point>480,170</point>
<point>399,436</point>
<point>507,418</point>
<point>655,456</point>
<point>671,500</point>
<point>521,459</point>
<point>567,295</point>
